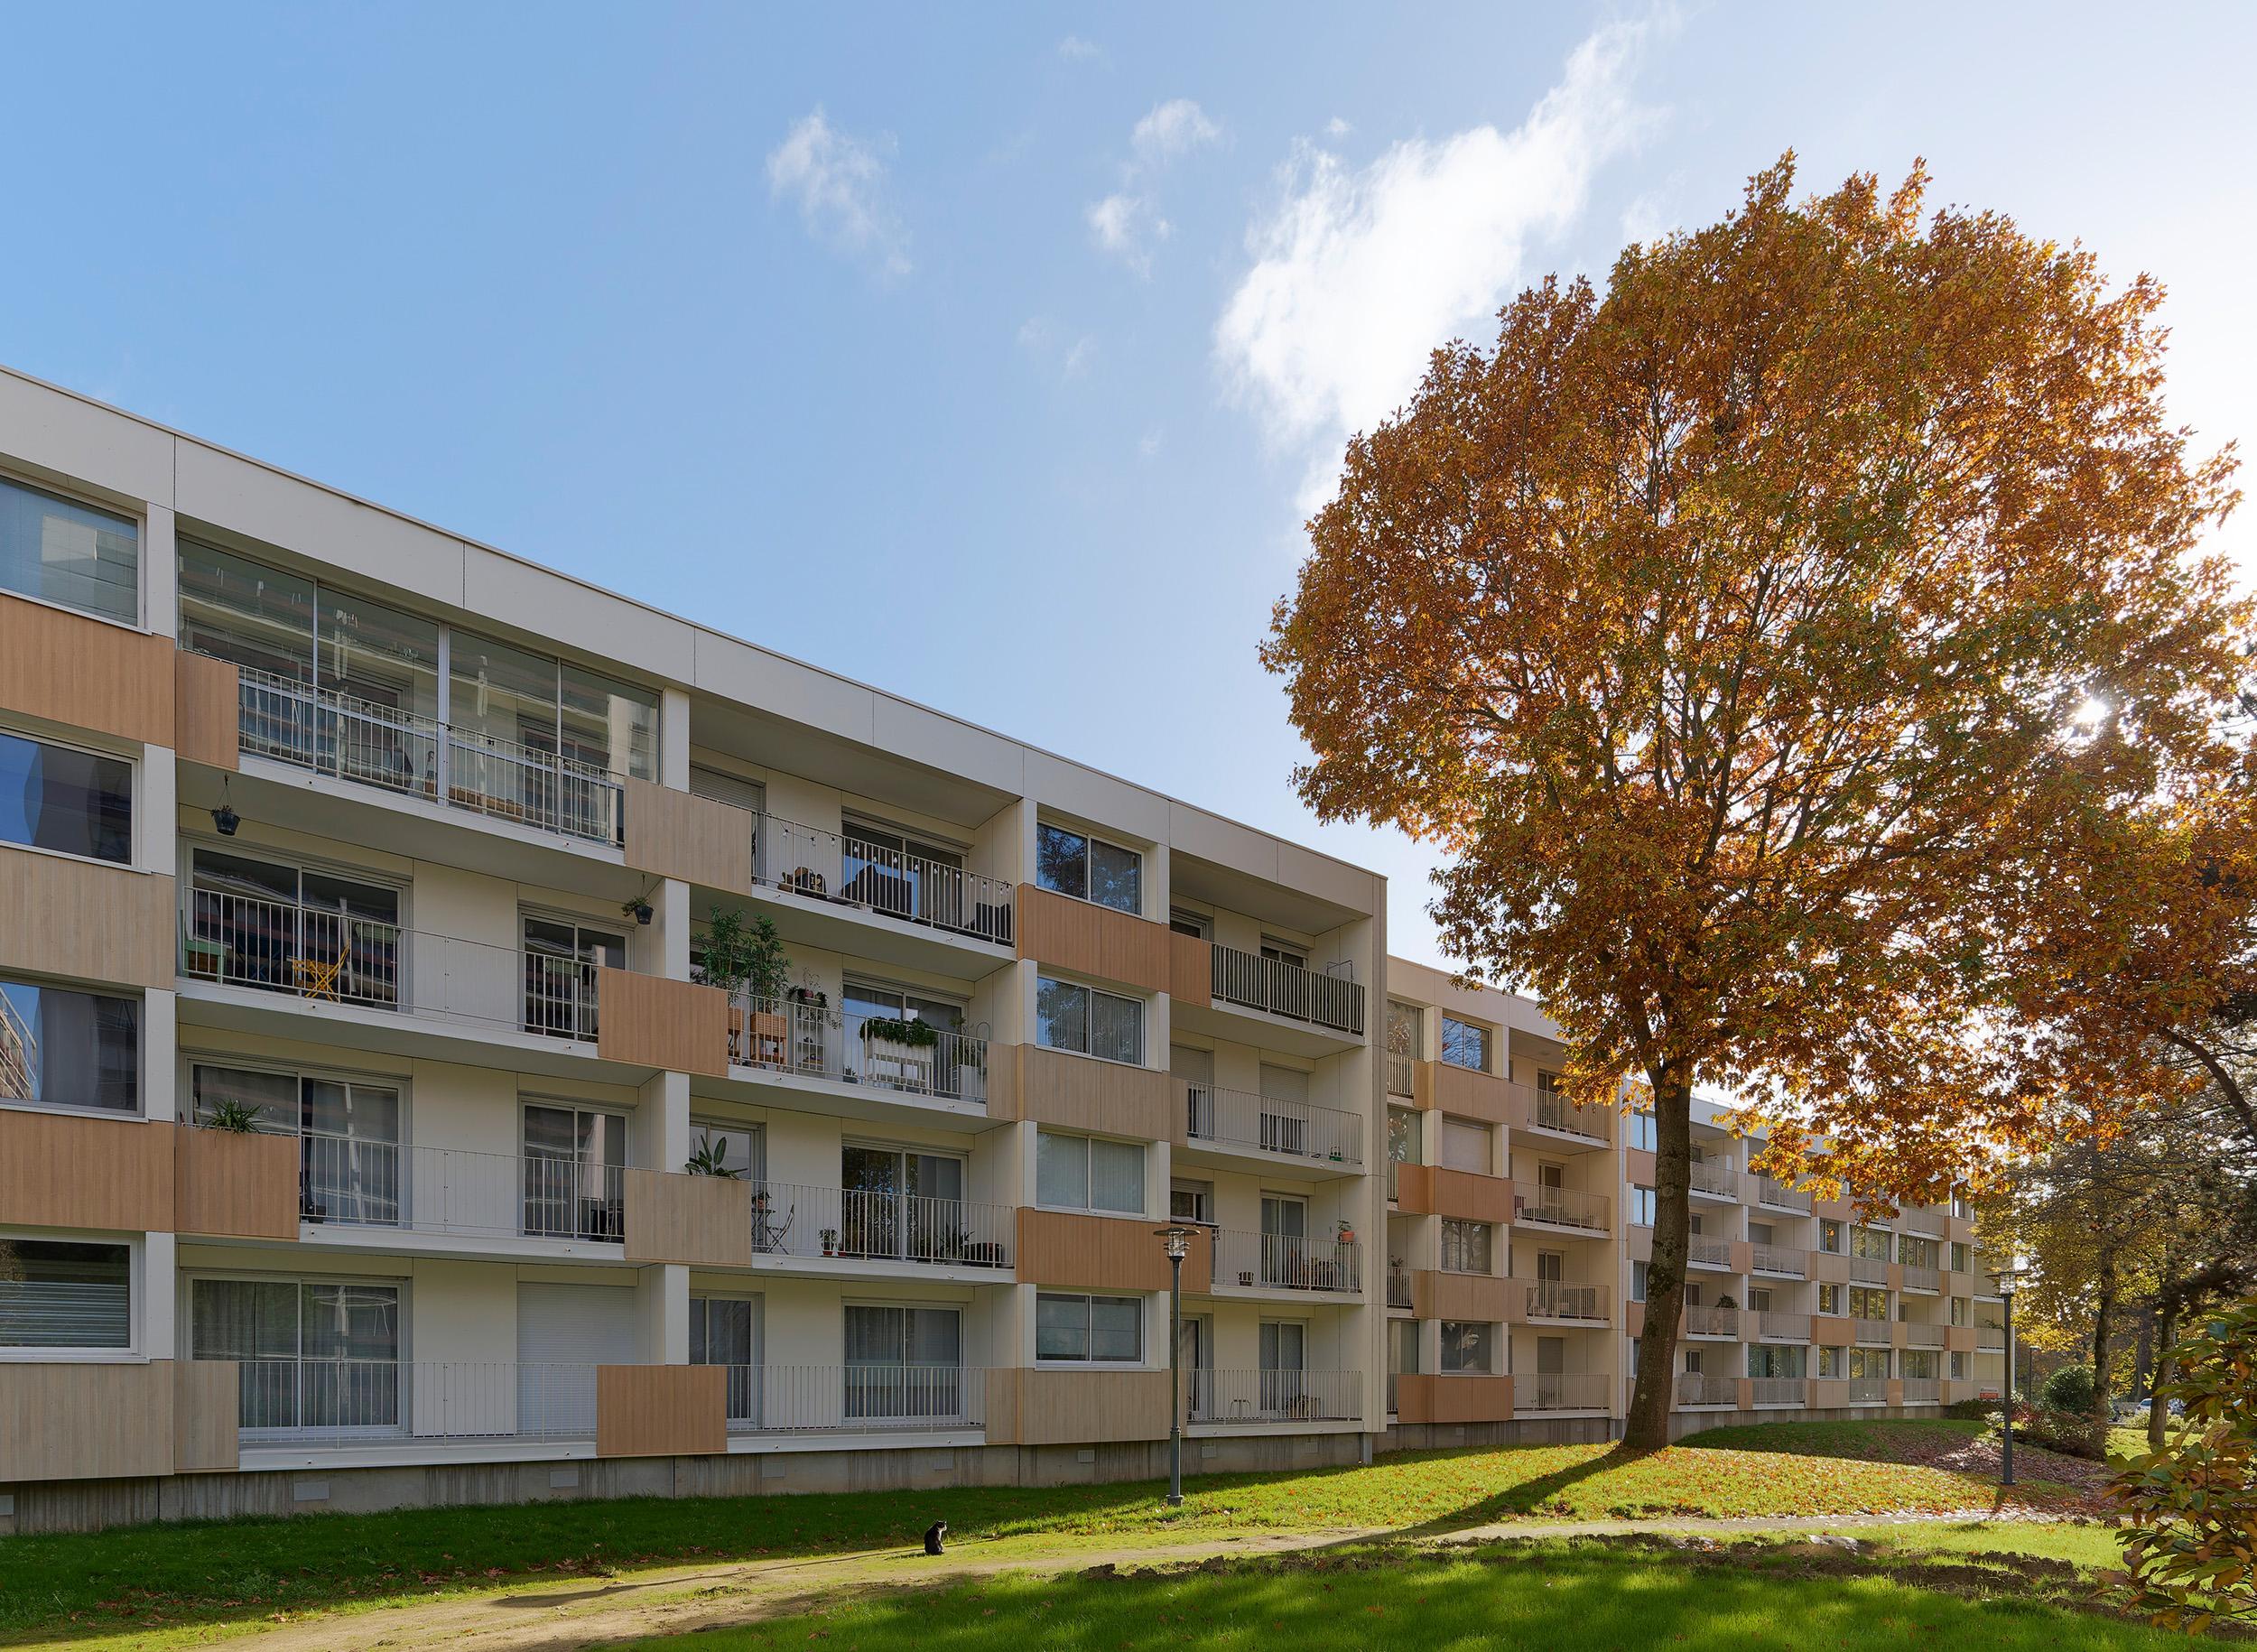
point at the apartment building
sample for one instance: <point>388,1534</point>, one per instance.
<point>466,1035</point>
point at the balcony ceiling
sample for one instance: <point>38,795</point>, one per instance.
<point>859,770</point>
<point>1266,902</point>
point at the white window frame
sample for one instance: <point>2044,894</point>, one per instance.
<point>1090,840</point>
<point>1091,1299</point>
<point>1488,1041</point>
<point>135,512</point>
<point>140,1000</point>
<point>135,1350</point>
<point>1143,1020</point>
<point>1445,1367</point>
<point>1144,1157</point>
<point>9,725</point>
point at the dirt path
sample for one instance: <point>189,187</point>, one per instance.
<point>678,1600</point>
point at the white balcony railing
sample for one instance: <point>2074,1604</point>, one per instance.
<point>1775,1326</point>
<point>1559,1207</point>
<point>1714,1176</point>
<point>1869,1270</point>
<point>860,1225</point>
<point>1560,1391</point>
<point>849,869</point>
<point>1922,1390</point>
<point>1923,1333</point>
<point>1400,1075</point>
<point>1928,1220</point>
<point>1287,1262</point>
<point>1702,1320</point>
<point>1869,1332</point>
<point>854,1398</point>
<point>1779,1196</point>
<point>1708,1252</point>
<point>1991,1339</point>
<point>358,1182</point>
<point>1919,1278</point>
<point>906,1054</point>
<point>1778,1259</point>
<point>1272,1396</point>
<point>1777,1391</point>
<point>1299,1129</point>
<point>1551,1110</point>
<point>1556,1299</point>
<point>1285,989</point>
<point>275,946</point>
<point>1868,1390</point>
<point>1398,1288</point>
<point>1694,1389</point>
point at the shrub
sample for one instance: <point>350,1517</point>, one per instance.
<point>1973,1410</point>
<point>2190,1509</point>
<point>2073,1434</point>
<point>2070,1388</point>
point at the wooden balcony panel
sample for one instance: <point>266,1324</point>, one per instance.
<point>1087,938</point>
<point>678,834</point>
<point>235,1186</point>
<point>207,711</point>
<point>88,1421</point>
<point>1833,1392</point>
<point>661,1410</point>
<point>1433,1189</point>
<point>84,673</point>
<point>705,1222</point>
<point>206,1404</point>
<point>69,1169</point>
<point>1830,1332</point>
<point>1829,1268</point>
<point>1633,1319</point>
<point>1422,1397</point>
<point>1190,969</point>
<point>1484,1298</point>
<point>651,1021</point>
<point>1638,1167</point>
<point>1079,1092</point>
<point>1103,1253</point>
<point>1059,1407</point>
<point>85,920</point>
<point>1440,1087</point>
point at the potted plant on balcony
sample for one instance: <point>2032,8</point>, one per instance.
<point>711,1158</point>
<point>899,1049</point>
<point>1347,1235</point>
<point>830,1237</point>
<point>746,961</point>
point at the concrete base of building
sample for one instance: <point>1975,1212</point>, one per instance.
<point>1526,1431</point>
<point>93,1504</point>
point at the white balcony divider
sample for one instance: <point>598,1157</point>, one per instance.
<point>1558,1391</point>
<point>816,1041</point>
<point>1779,1195</point>
<point>1283,1262</point>
<point>354,1182</point>
<point>1558,1299</point>
<point>849,869</point>
<point>1778,1391</point>
<point>1559,1207</point>
<point>1715,1176</point>
<point>1696,1388</point>
<point>1299,1129</point>
<point>1869,1332</point>
<point>1868,1390</point>
<point>275,946</point>
<point>1551,1110</point>
<point>1776,1259</point>
<point>1708,1252</point>
<point>793,1218</point>
<point>1703,1319</point>
<point>1774,1325</point>
<point>1285,989</point>
<point>1272,1396</point>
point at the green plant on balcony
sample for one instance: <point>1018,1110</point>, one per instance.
<point>233,1117</point>
<point>903,1030</point>
<point>743,956</point>
<point>711,1158</point>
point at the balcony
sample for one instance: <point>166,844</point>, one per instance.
<point>1401,1074</point>
<point>1551,1110</point>
<point>355,1183</point>
<point>1920,1390</point>
<point>1778,1391</point>
<point>1781,1261</point>
<point>1919,1278</point>
<point>1923,1333</point>
<point>1533,1391</point>
<point>1559,1207</point>
<point>1869,1332</point>
<point>348,738</point>
<point>1779,1196</point>
<point>1697,1389</point>
<point>1773,1326</point>
<point>1273,1397</point>
<point>1991,1339</point>
<point>1708,1252</point>
<point>809,1040</point>
<point>1702,1320</point>
<point>842,869</point>
<point>1286,1262</point>
<point>1868,1390</point>
<point>1285,989</point>
<point>792,1218</point>
<point>1869,1270</point>
<point>1715,1179</point>
<point>1265,1124</point>
<point>1927,1221</point>
<point>1555,1302</point>
<point>311,952</point>
<point>1398,1288</point>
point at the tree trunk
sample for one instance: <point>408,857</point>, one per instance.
<point>2166,1334</point>
<point>1646,1427</point>
<point>2104,1316</point>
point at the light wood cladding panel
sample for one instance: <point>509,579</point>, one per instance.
<point>84,673</point>
<point>85,920</point>
<point>1057,1407</point>
<point>661,1410</point>
<point>207,716</point>
<point>1190,969</point>
<point>705,1222</point>
<point>1079,1092</point>
<point>1434,1190</point>
<point>86,1421</point>
<point>1103,1253</point>
<point>68,1170</point>
<point>1483,1297</point>
<point>206,1404</point>
<point>1456,1398</point>
<point>671,834</point>
<point>235,1186</point>
<point>651,1021</point>
<point>1087,938</point>
<point>1440,1087</point>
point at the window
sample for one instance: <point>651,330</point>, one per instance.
<point>1959,1311</point>
<point>1916,1252</point>
<point>1641,1135</point>
<point>1868,1302</point>
<point>1464,1043</point>
<point>1870,1243</point>
<point>1959,1367</point>
<point>1192,923</point>
<point>1830,1362</point>
<point>904,1363</point>
<point>1916,1363</point>
<point>1869,1362</point>
<point>1402,1136</point>
<point>1830,1235</point>
<point>61,1293</point>
<point>1692,1362</point>
<point>562,958</point>
<point>1089,868</point>
<point>283,928</point>
<point>1088,1173</point>
<point>1641,1207</point>
<point>1465,1246</point>
<point>1830,1300</point>
<point>350,1147</point>
<point>724,1330</point>
<point>1774,1360</point>
<point>1098,1330</point>
<point>1637,1281</point>
<point>1467,1147</point>
<point>1192,1202</point>
<point>575,1172</point>
<point>1069,1016</point>
<point>1958,1258</point>
<point>1468,1346</point>
<point>65,1049</point>
<point>313,1354</point>
<point>72,801</point>
<point>68,554</point>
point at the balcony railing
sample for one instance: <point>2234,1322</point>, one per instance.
<point>1869,1270</point>
<point>275,946</point>
<point>1551,1110</point>
<point>1777,1391</point>
<point>1922,1390</point>
<point>361,1183</point>
<point>1868,1390</point>
<point>1779,1196</point>
<point>1400,1068</point>
<point>847,869</point>
<point>1869,1332</point>
<point>1708,1252</point>
<point>1554,1299</point>
<point>1272,1396</point>
<point>1922,1334</point>
<point>1559,1207</point>
<point>1778,1259</point>
<point>335,733</point>
<point>1299,1129</point>
<point>1285,989</point>
<point>854,1398</point>
<point>1773,1325</point>
<point>1929,1221</point>
<point>1286,1262</point>
<point>1991,1339</point>
<point>1693,1388</point>
<point>1714,1176</point>
<point>1398,1289</point>
<point>793,1219</point>
<point>1919,1278</point>
<point>1560,1391</point>
<point>885,1052</point>
<point>1702,1320</point>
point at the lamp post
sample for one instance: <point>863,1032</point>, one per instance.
<point>1177,1239</point>
<point>2006,1276</point>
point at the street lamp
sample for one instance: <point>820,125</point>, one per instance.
<point>2006,1276</point>
<point>1177,1237</point>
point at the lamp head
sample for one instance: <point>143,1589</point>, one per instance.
<point>1176,1237</point>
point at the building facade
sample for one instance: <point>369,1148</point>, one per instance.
<point>466,1035</point>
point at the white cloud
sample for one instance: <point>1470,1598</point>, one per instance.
<point>1357,275</point>
<point>839,183</point>
<point>1045,342</point>
<point>1127,222</point>
<point>1337,128</point>
<point>1076,49</point>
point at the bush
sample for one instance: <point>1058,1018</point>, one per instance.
<point>2070,1388</point>
<point>1973,1410</point>
<point>2073,1434</point>
<point>2190,1509</point>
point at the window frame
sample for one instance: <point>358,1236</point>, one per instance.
<point>1042,1023</point>
<point>1490,1341</point>
<point>1089,841</point>
<point>140,1002</point>
<point>136,514</point>
<point>1090,1299</point>
<point>15,730</point>
<point>1144,1169</point>
<point>136,1299</point>
<point>1488,1036</point>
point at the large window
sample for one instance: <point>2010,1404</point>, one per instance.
<point>65,1049</point>
<point>57,1294</point>
<point>1868,1302</point>
<point>903,1363</point>
<point>1870,1243</point>
<point>725,1331</point>
<point>1069,1016</point>
<point>1465,1246</point>
<point>1639,1207</point>
<point>1465,1043</point>
<point>1775,1359</point>
<point>72,801</point>
<point>1642,1131</point>
<point>1089,868</point>
<point>1468,1346</point>
<point>312,1354</point>
<point>1088,1173</point>
<point>61,552</point>
<point>284,928</point>
<point>1467,1146</point>
<point>349,1131</point>
<point>1098,1329</point>
<point>1869,1362</point>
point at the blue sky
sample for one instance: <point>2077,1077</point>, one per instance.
<point>991,356</point>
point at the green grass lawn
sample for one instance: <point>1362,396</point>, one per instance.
<point>167,1573</point>
<point>1585,1599</point>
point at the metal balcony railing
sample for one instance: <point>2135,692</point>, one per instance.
<point>847,868</point>
<point>1869,1332</point>
<point>889,1053</point>
<point>1398,1289</point>
<point>1868,1390</point>
<point>275,946</point>
<point>1560,1391</point>
<point>1779,1196</point>
<point>1773,1325</point>
<point>1559,1207</point>
<point>1551,1110</point>
<point>795,1219</point>
<point>353,1182</point>
<point>1299,1129</point>
<point>1715,1176</point>
<point>1287,1262</point>
<point>1708,1252</point>
<point>1919,1278</point>
<point>1778,1259</point>
<point>1400,1071</point>
<point>1991,1339</point>
<point>1927,1219</point>
<point>1777,1391</point>
<point>1554,1299</point>
<point>1869,1270</point>
<point>855,1399</point>
<point>1285,989</point>
<point>1923,1333</point>
<point>1694,1389</point>
<point>1272,1396</point>
<point>1921,1390</point>
<point>1702,1320</point>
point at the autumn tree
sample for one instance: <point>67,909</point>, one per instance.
<point>1726,630</point>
